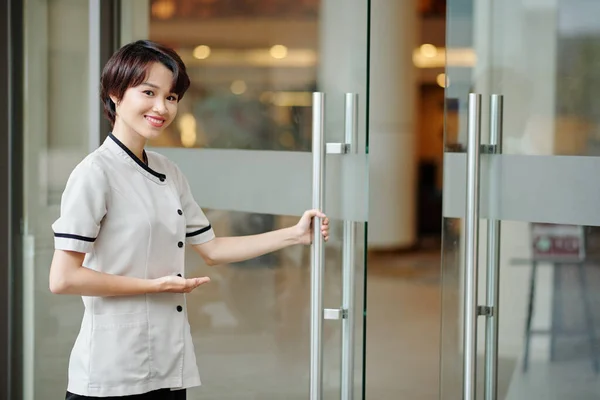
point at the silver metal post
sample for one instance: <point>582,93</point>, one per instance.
<point>348,268</point>
<point>493,257</point>
<point>318,253</point>
<point>471,248</point>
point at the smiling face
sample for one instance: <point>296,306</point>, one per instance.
<point>147,109</point>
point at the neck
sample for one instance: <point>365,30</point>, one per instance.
<point>133,141</point>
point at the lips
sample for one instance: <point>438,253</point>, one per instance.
<point>156,122</point>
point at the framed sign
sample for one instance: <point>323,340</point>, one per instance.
<point>557,241</point>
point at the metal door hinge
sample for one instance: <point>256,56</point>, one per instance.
<point>485,311</point>
<point>337,148</point>
<point>488,149</point>
<point>335,313</point>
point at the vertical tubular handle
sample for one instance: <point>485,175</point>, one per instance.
<point>317,249</point>
<point>348,277</point>
<point>348,269</point>
<point>351,122</point>
<point>471,248</point>
<point>493,258</point>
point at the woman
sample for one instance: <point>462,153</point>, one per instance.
<point>119,240</point>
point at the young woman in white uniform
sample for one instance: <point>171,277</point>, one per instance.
<point>126,215</point>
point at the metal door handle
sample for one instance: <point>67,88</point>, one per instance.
<point>317,248</point>
<point>348,267</point>
<point>346,311</point>
<point>471,248</point>
<point>493,259</point>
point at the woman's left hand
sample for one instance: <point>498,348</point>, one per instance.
<point>305,226</point>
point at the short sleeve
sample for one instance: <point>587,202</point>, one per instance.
<point>82,208</point>
<point>198,228</point>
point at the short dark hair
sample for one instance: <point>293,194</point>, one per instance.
<point>128,67</point>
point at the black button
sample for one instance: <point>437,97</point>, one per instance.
<point>179,275</point>
<point>179,308</point>
<point>179,212</point>
<point>180,244</point>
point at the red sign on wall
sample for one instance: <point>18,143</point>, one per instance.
<point>560,241</point>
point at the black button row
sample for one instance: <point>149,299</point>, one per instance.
<point>180,245</point>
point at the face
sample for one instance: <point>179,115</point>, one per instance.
<point>147,109</point>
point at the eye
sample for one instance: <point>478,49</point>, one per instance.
<point>149,92</point>
<point>172,98</point>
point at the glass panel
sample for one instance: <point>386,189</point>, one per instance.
<point>243,137</point>
<point>254,66</point>
<point>539,56</point>
<point>56,98</point>
<point>252,323</point>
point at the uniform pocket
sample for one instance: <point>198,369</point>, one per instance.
<point>119,351</point>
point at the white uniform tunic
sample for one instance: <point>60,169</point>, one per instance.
<point>131,219</point>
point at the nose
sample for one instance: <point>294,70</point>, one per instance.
<point>160,106</point>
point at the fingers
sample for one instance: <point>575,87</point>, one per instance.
<point>324,221</point>
<point>193,283</point>
<point>199,281</point>
<point>202,280</point>
<point>325,232</point>
<point>314,213</point>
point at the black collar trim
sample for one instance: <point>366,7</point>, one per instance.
<point>139,162</point>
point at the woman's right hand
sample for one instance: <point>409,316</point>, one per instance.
<point>177,284</point>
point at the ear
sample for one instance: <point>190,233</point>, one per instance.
<point>114,99</point>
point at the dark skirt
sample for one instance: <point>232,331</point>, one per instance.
<point>162,394</point>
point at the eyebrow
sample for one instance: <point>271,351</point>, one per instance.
<point>152,85</point>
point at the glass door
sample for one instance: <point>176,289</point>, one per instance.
<point>276,114</point>
<point>275,123</point>
<point>520,248</point>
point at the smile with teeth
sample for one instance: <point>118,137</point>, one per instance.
<point>155,121</point>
